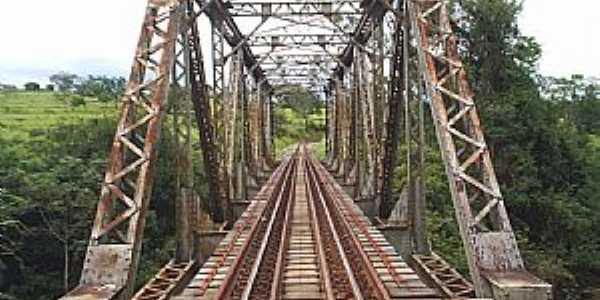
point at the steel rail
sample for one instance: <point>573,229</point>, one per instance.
<point>252,221</point>
<point>321,208</point>
<point>234,278</point>
<point>371,287</point>
<point>279,265</point>
<point>327,282</point>
<point>360,225</point>
<point>272,242</point>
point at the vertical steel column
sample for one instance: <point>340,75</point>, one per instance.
<point>232,135</point>
<point>218,195</point>
<point>379,93</point>
<point>397,88</point>
<point>368,142</point>
<point>327,113</point>
<point>267,125</point>
<point>219,110</point>
<point>331,124</point>
<point>242,163</point>
<point>416,144</point>
<point>339,147</point>
<point>414,135</point>
<point>353,153</point>
<point>181,110</point>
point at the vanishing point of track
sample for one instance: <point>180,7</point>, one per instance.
<point>303,240</point>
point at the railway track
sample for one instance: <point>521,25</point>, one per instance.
<point>303,238</point>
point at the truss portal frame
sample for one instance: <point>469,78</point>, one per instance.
<point>426,71</point>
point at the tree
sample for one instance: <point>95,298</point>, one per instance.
<point>66,82</point>
<point>102,87</point>
<point>300,100</point>
<point>578,98</point>
<point>541,154</point>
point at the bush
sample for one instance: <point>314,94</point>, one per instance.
<point>77,101</point>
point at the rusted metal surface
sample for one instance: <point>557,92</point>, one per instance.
<point>393,123</point>
<point>344,63</point>
<point>203,118</point>
<point>127,185</point>
<point>379,254</point>
<point>92,292</point>
<point>204,284</point>
<point>364,279</point>
<point>169,281</point>
<point>518,286</point>
<point>446,279</point>
<point>475,191</point>
<point>234,285</point>
<point>308,241</point>
<point>291,8</point>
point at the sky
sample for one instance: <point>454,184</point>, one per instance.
<point>98,37</point>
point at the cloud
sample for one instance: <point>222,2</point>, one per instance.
<point>89,36</point>
<point>567,33</point>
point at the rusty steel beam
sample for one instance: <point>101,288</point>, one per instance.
<point>296,71</point>
<point>289,8</point>
<point>397,88</point>
<point>366,99</point>
<point>119,224</point>
<point>181,117</point>
<point>217,193</point>
<point>441,275</point>
<point>281,40</point>
<point>373,12</point>
<point>294,59</point>
<point>490,245</point>
<point>223,21</point>
<point>169,281</point>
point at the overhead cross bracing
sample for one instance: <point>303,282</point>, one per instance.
<point>380,67</point>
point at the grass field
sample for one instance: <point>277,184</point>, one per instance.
<point>28,115</point>
<point>24,115</point>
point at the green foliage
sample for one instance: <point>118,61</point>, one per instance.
<point>64,81</point>
<point>52,187</point>
<point>298,99</point>
<point>103,88</point>
<point>77,101</point>
<point>542,133</point>
<point>49,188</point>
<point>291,127</point>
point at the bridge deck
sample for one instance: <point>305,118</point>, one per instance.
<point>302,237</point>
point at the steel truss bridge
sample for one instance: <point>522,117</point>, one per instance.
<point>300,228</point>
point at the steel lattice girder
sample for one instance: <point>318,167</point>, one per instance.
<point>294,63</point>
<point>397,87</point>
<point>306,71</point>
<point>488,239</point>
<point>288,8</point>
<point>294,59</point>
<point>372,16</point>
<point>223,21</point>
<point>118,227</point>
<point>281,40</point>
<point>205,125</point>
